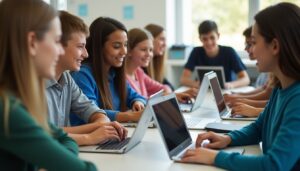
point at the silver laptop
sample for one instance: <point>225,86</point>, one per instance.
<point>199,99</point>
<point>125,145</point>
<point>151,123</point>
<point>219,70</point>
<point>172,126</point>
<point>223,109</point>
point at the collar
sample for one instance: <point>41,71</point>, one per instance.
<point>61,82</point>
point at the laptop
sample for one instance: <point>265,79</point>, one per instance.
<point>172,127</point>
<point>151,123</point>
<point>223,109</point>
<point>125,145</point>
<point>219,70</point>
<point>189,107</point>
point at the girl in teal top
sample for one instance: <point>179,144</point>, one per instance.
<point>276,45</point>
<point>30,46</point>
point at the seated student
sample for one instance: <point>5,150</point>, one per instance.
<point>212,54</point>
<point>276,46</point>
<point>156,68</point>
<point>65,97</point>
<point>140,53</point>
<point>102,76</point>
<point>30,46</point>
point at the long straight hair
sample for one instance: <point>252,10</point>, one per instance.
<point>18,75</point>
<point>156,67</point>
<point>100,29</point>
<point>282,22</point>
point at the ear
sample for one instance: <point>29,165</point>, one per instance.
<point>275,46</point>
<point>32,43</point>
<point>218,34</point>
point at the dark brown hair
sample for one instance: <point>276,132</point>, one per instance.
<point>282,22</point>
<point>100,29</point>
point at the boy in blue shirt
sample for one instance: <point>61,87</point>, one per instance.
<point>212,54</point>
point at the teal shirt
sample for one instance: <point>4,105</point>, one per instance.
<point>278,127</point>
<point>29,147</point>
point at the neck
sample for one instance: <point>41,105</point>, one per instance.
<point>130,68</point>
<point>213,53</point>
<point>284,80</point>
<point>58,72</point>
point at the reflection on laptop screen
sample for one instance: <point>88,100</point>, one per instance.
<point>217,94</point>
<point>202,70</point>
<point>170,120</point>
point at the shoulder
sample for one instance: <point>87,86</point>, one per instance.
<point>227,49</point>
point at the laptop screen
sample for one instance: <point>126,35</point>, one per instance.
<point>217,94</point>
<point>218,70</point>
<point>171,123</point>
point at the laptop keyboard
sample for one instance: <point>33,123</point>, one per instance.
<point>113,145</point>
<point>192,122</point>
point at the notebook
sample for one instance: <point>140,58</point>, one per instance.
<point>223,110</point>
<point>219,70</point>
<point>199,99</point>
<point>172,127</point>
<point>125,145</point>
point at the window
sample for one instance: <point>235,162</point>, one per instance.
<point>230,16</point>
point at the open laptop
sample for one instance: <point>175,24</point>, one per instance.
<point>219,70</point>
<point>172,126</point>
<point>151,123</point>
<point>223,109</point>
<point>125,145</point>
<point>189,107</point>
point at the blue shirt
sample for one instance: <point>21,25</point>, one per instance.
<point>85,80</point>
<point>278,127</point>
<point>227,57</point>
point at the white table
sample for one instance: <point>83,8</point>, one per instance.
<point>150,154</point>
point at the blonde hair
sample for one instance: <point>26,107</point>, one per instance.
<point>18,75</point>
<point>156,67</point>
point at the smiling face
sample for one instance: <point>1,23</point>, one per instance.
<point>159,44</point>
<point>209,41</point>
<point>75,52</point>
<point>142,53</point>
<point>48,51</point>
<point>115,49</point>
<point>264,52</point>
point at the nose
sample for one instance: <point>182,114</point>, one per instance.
<point>85,53</point>
<point>61,50</point>
<point>124,50</point>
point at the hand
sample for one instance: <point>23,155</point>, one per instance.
<point>216,141</point>
<point>183,97</point>
<point>122,131</point>
<point>138,106</point>
<point>102,134</point>
<point>193,92</point>
<point>200,155</point>
<point>245,110</point>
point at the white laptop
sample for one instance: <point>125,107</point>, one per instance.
<point>223,109</point>
<point>219,70</point>
<point>151,123</point>
<point>189,107</point>
<point>172,127</point>
<point>125,145</point>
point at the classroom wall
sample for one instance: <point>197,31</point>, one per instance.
<point>132,13</point>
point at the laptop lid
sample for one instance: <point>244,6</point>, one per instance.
<point>219,70</point>
<point>216,89</point>
<point>171,124</point>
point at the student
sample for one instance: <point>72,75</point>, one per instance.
<point>156,67</point>
<point>65,97</point>
<point>212,54</point>
<point>102,76</point>
<point>276,46</point>
<point>140,53</point>
<point>30,47</point>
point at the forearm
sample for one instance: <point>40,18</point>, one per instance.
<point>82,129</point>
<point>81,139</point>
<point>255,103</point>
<point>240,82</point>
<point>99,117</point>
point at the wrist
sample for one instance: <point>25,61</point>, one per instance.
<point>228,140</point>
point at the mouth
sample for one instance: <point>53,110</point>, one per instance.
<point>78,61</point>
<point>120,59</point>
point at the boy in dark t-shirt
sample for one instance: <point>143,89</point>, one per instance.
<point>212,54</point>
